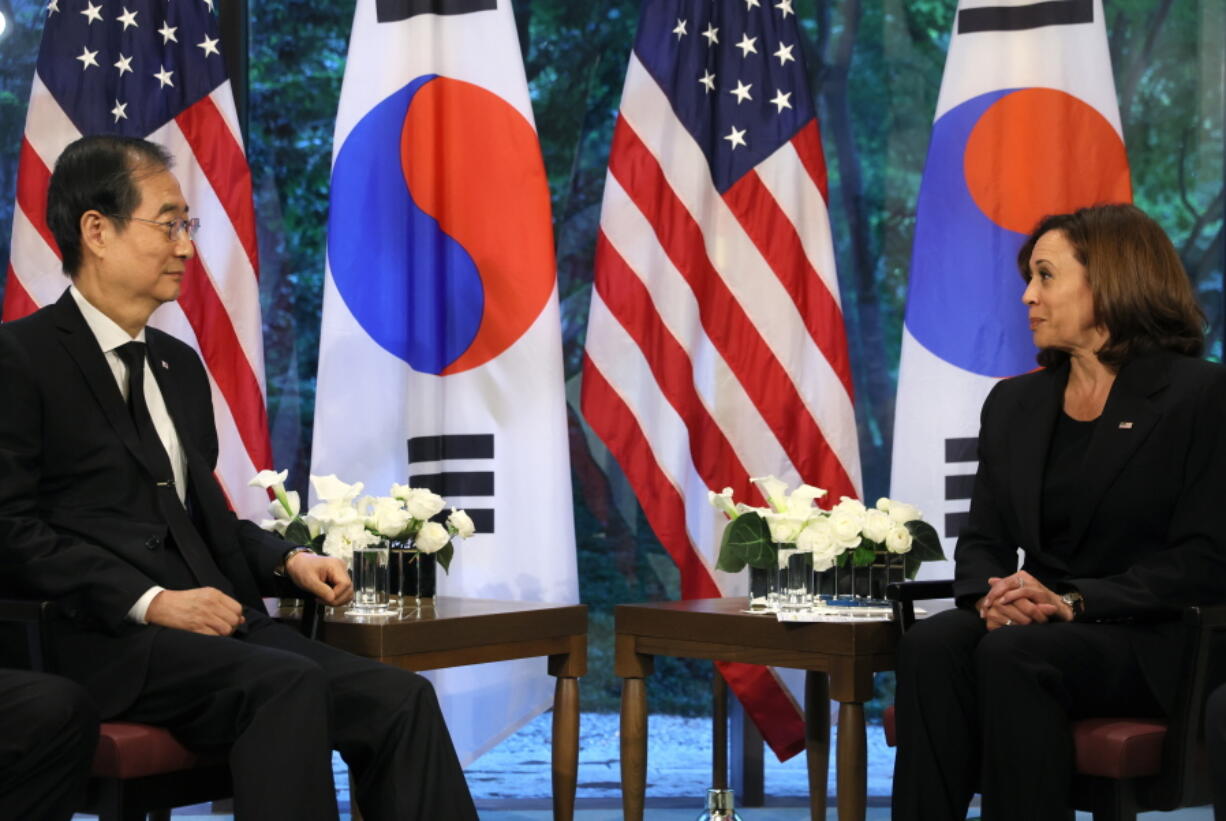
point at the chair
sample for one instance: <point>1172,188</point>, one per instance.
<point>1126,765</point>
<point>138,769</point>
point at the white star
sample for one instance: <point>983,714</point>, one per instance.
<point>128,18</point>
<point>53,6</point>
<point>209,3</point>
<point>741,92</point>
<point>164,77</point>
<point>736,137</point>
<point>708,80</point>
<point>680,29</point>
<point>123,64</point>
<point>168,32</point>
<point>209,46</point>
<point>749,4</point>
<point>712,34</point>
<point>785,6</point>
<point>87,58</point>
<point>120,111</point>
<point>784,54</point>
<point>92,12</point>
<point>747,45</point>
<point>781,100</point>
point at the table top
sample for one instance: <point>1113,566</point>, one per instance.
<point>450,624</point>
<point>725,621</point>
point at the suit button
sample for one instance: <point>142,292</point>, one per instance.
<point>153,542</point>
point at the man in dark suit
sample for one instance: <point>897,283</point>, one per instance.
<point>109,506</point>
<point>48,732</point>
<point>1215,740</point>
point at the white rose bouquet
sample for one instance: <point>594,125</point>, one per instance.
<point>343,520</point>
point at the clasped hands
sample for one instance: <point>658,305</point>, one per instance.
<point>209,611</point>
<point>1020,599</point>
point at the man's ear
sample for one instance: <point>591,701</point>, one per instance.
<point>96,232</point>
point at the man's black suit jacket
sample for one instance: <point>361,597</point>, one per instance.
<point>79,521</point>
<point>1148,529</point>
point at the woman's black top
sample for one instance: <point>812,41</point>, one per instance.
<point>1062,482</point>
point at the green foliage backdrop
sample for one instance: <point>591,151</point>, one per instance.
<point>875,69</point>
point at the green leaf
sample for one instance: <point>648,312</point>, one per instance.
<point>925,543</point>
<point>747,540</point>
<point>444,556</point>
<point>298,533</point>
<point>864,554</point>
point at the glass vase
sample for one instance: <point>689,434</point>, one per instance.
<point>886,569</point>
<point>798,592</point>
<point>422,578</point>
<point>370,590</point>
<point>759,587</point>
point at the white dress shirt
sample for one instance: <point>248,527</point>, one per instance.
<point>110,337</point>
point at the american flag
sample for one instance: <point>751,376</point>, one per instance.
<point>152,69</point>
<point>716,349</point>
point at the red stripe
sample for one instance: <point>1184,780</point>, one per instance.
<point>761,375</point>
<point>225,165</point>
<point>17,303</point>
<point>777,240</point>
<point>630,302</point>
<point>808,145</point>
<point>227,362</point>
<point>613,422</point>
<point>33,177</point>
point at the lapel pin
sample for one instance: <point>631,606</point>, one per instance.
<point>166,367</point>
<point>1125,426</point>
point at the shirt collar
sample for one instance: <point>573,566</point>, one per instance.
<point>108,333</point>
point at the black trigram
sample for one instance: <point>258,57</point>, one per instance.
<point>389,11</point>
<point>958,486</point>
<point>1030,16</point>
<point>472,483</point>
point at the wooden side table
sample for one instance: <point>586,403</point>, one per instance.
<point>453,632</point>
<point>840,659</point>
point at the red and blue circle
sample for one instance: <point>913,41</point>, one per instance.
<point>439,237</point>
<point>997,164</point>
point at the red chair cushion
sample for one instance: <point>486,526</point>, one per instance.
<point>128,750</point>
<point>1118,747</point>
<point>1107,747</point>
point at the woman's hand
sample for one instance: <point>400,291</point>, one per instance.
<point>1021,599</point>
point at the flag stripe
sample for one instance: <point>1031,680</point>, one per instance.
<point>777,240</point>
<point>17,302</point>
<point>225,165</point>
<point>664,508</point>
<point>32,180</point>
<point>808,145</point>
<point>630,302</point>
<point>723,317</point>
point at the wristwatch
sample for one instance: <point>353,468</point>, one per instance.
<point>289,554</point>
<point>1075,601</point>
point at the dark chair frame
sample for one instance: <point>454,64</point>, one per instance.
<point>131,799</point>
<point>1183,778</point>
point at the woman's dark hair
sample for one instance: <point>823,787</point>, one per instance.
<point>97,173</point>
<point>1142,296</point>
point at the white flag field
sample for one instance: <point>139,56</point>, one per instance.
<point>1026,125</point>
<point>440,352</point>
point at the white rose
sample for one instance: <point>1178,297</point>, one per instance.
<point>400,492</point>
<point>422,504</point>
<point>818,539</point>
<point>432,538</point>
<point>342,541</point>
<point>268,479</point>
<point>876,525</point>
<point>774,490</point>
<point>898,540</point>
<point>845,527</point>
<point>388,517</point>
<point>851,506</point>
<point>784,527</point>
<point>461,523</point>
<point>331,489</point>
<point>901,512</point>
<point>722,502</point>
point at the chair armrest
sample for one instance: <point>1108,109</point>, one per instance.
<point>35,617</point>
<point>904,595</point>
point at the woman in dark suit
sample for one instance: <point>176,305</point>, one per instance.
<point>1107,468</point>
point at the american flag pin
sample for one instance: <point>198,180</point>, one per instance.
<point>1125,426</point>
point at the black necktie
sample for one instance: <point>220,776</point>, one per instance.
<point>193,549</point>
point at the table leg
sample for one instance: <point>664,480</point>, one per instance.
<point>852,762</point>
<point>565,747</point>
<point>634,747</point>
<point>817,741</point>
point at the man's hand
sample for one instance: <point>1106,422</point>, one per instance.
<point>201,610</point>
<point>324,577</point>
<point>1020,599</point>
